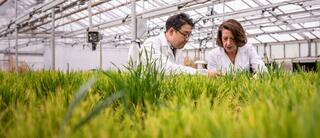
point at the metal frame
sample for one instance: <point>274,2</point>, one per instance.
<point>36,23</point>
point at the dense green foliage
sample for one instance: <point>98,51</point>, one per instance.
<point>151,104</point>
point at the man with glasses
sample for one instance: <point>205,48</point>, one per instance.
<point>165,48</point>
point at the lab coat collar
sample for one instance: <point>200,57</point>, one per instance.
<point>240,50</point>
<point>165,43</point>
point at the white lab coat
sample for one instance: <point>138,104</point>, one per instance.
<point>219,61</point>
<point>159,48</point>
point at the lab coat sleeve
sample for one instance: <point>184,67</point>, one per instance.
<point>212,61</point>
<point>153,52</point>
<point>256,62</point>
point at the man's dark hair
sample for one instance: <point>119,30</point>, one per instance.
<point>176,21</point>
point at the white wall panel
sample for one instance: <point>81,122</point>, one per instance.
<point>83,58</point>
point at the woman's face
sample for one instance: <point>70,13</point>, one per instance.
<point>228,41</point>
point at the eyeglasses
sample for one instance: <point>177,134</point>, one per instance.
<point>184,34</point>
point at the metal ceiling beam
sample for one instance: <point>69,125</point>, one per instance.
<point>286,42</point>
<point>46,15</point>
<point>267,24</point>
<point>21,53</point>
<point>119,21</point>
<point>251,21</point>
<point>270,21</point>
<point>77,11</point>
<point>260,8</point>
<point>280,4</point>
<point>195,7</point>
<point>283,20</point>
<point>309,29</point>
<point>269,33</point>
<point>191,2</point>
<point>26,20</point>
<point>114,23</point>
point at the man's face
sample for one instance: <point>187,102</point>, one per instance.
<point>228,41</point>
<point>180,37</point>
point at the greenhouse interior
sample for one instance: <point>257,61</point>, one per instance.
<point>66,70</point>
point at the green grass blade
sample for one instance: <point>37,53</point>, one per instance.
<point>79,95</point>
<point>105,103</point>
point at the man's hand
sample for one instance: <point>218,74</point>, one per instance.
<point>213,74</point>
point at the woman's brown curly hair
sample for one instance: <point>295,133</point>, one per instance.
<point>236,29</point>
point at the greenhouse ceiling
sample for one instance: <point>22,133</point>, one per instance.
<point>265,21</point>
